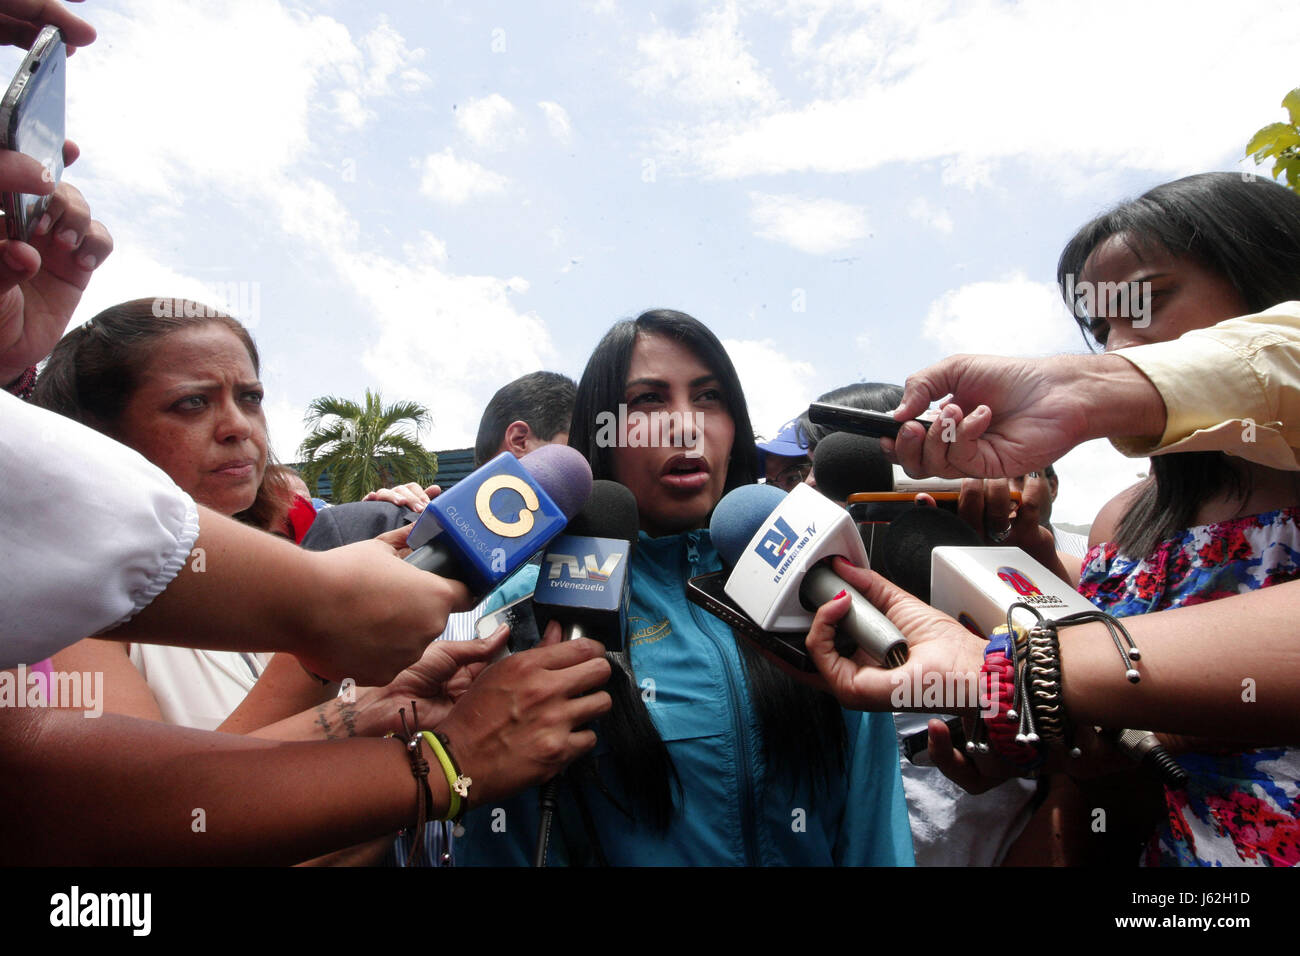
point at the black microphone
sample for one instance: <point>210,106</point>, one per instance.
<point>846,464</point>
<point>585,575</point>
<point>903,555</point>
<point>584,585</point>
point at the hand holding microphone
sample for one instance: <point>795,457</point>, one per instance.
<point>778,546</point>
<point>499,516</point>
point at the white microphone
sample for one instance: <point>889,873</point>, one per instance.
<point>779,548</point>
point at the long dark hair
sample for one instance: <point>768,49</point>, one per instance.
<point>803,731</point>
<point>95,369</point>
<point>1247,232</point>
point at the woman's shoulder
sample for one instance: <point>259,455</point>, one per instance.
<point>1108,518</point>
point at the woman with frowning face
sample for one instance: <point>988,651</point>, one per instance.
<point>179,384</point>
<point>715,757</point>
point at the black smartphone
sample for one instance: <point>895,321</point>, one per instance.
<point>856,420</point>
<point>706,590</point>
<point>916,747</point>
<point>32,122</point>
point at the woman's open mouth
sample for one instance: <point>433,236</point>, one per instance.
<point>685,473</point>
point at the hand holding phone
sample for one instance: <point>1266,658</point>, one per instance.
<point>858,421</point>
<point>32,123</point>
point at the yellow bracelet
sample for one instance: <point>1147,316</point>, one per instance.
<point>449,769</point>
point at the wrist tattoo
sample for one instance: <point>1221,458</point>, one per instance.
<point>346,715</point>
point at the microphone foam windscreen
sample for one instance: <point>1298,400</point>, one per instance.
<point>909,539</point>
<point>610,512</point>
<point>563,473</point>
<point>845,464</point>
<point>739,515</point>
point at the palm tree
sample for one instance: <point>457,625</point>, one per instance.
<point>365,448</point>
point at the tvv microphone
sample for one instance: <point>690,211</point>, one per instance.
<point>496,518</point>
<point>779,548</point>
<point>585,575</point>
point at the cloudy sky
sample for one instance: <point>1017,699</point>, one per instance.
<point>432,198</point>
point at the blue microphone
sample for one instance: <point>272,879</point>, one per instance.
<point>500,515</point>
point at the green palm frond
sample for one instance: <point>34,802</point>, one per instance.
<point>365,446</point>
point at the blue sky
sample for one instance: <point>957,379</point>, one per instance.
<point>433,198</point>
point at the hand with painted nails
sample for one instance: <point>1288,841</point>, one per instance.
<point>937,644</point>
<point>41,281</point>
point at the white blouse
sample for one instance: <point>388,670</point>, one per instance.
<point>90,532</point>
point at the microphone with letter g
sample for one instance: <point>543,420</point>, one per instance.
<point>496,518</point>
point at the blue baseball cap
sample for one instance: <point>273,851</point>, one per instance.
<point>788,442</point>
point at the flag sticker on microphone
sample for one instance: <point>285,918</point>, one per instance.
<point>776,542</point>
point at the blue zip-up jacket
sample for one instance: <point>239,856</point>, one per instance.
<point>729,811</point>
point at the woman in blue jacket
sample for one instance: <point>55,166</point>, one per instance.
<point>713,756</point>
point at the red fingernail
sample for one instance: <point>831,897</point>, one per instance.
<point>840,595</point>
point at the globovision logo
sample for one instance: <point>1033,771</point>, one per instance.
<point>523,521</point>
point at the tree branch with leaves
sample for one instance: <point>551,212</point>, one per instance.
<point>365,447</point>
<point>1280,142</point>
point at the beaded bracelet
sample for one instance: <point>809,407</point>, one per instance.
<point>23,385</point>
<point>1032,661</point>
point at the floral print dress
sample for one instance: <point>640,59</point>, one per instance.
<point>1240,809</point>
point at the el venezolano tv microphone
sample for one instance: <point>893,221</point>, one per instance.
<point>779,548</point>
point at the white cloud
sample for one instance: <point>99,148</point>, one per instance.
<point>922,210</point>
<point>228,130</point>
<point>557,120</point>
<point>1091,475</point>
<point>983,83</point>
<point>386,68</point>
<point>489,121</point>
<point>763,365</point>
<point>814,226</point>
<point>451,180</point>
<point>1010,316</point>
<point>226,126</point>
<point>710,68</point>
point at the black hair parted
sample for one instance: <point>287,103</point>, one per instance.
<point>1246,230</point>
<point>604,382</point>
<point>1243,229</point>
<point>804,734</point>
<point>542,399</point>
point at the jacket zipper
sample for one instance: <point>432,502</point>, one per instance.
<point>739,724</point>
